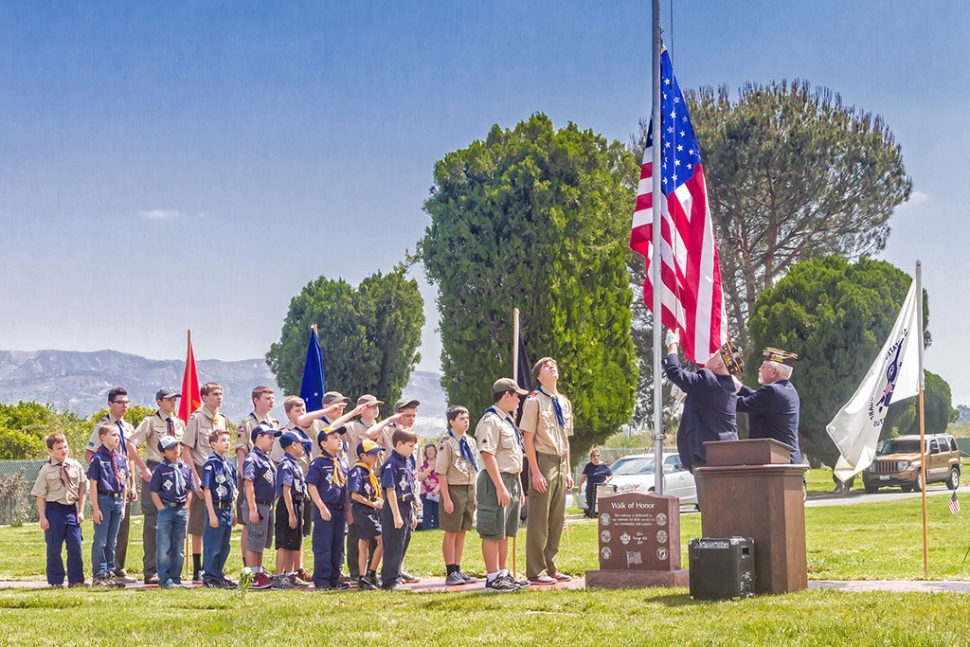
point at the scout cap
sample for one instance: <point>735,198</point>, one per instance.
<point>732,359</point>
<point>334,396</point>
<point>405,403</point>
<point>342,429</point>
<point>260,430</point>
<point>167,442</point>
<point>780,356</point>
<point>287,438</point>
<point>507,384</point>
<point>368,447</point>
<point>367,400</point>
<point>167,392</point>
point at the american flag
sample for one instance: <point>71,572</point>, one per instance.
<point>953,503</point>
<point>692,301</point>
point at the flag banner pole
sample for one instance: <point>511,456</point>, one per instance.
<point>655,263</point>
<point>515,374</point>
<point>922,427</point>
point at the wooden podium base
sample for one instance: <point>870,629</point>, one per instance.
<point>631,579</point>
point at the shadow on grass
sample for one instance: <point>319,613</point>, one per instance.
<point>675,600</point>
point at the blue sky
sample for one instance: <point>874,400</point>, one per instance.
<point>166,166</point>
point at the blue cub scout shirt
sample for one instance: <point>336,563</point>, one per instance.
<point>289,473</point>
<point>172,482</point>
<point>398,474</point>
<point>323,474</point>
<point>259,469</point>
<point>219,477</point>
<point>101,471</point>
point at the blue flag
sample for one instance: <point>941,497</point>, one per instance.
<point>313,386</point>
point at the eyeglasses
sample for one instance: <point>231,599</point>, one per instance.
<point>124,402</point>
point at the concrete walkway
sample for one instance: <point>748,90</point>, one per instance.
<point>438,586</point>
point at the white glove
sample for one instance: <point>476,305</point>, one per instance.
<point>673,337</point>
<point>737,384</point>
<point>678,395</point>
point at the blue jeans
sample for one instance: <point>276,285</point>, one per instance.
<point>215,543</point>
<point>430,519</point>
<point>170,542</point>
<point>106,535</point>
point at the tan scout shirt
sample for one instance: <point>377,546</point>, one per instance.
<point>457,470</point>
<point>95,441</point>
<point>150,431</point>
<point>539,417</point>
<point>196,436</point>
<point>384,440</point>
<point>356,432</point>
<point>244,432</point>
<point>51,487</point>
<point>276,453</point>
<point>496,436</point>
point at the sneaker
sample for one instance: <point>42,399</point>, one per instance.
<point>454,579</point>
<point>121,576</point>
<point>305,575</point>
<point>213,584</point>
<point>151,580</point>
<point>282,582</point>
<point>504,584</point>
<point>75,585</point>
<point>396,585</point>
<point>560,577</point>
<point>523,583</point>
<point>340,586</point>
<point>197,576</point>
<point>542,579</point>
<point>262,581</point>
<point>298,581</point>
<point>468,578</point>
<point>408,578</point>
<point>365,583</point>
<point>229,584</point>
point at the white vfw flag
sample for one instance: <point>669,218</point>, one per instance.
<point>894,376</point>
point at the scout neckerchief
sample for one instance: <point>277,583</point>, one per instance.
<point>338,476</point>
<point>508,419</point>
<point>227,469</point>
<point>64,474</point>
<point>555,402</point>
<point>178,476</point>
<point>307,445</point>
<point>374,483</point>
<point>121,433</point>
<point>112,454</point>
<point>465,450</point>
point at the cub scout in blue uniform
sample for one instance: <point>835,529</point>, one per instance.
<point>108,483</point>
<point>326,484</point>
<point>171,483</point>
<point>60,506</point>
<point>219,479</point>
<point>259,486</point>
<point>457,468</point>
<point>290,491</point>
<point>367,500</point>
<point>397,518</point>
<point>498,490</point>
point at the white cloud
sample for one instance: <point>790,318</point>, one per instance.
<point>918,197</point>
<point>160,214</point>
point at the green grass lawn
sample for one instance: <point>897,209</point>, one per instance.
<point>862,541</point>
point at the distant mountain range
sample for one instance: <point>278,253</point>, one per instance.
<point>79,382</point>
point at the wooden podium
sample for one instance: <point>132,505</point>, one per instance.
<point>751,490</point>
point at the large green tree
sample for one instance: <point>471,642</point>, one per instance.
<point>836,315</point>
<point>536,218</point>
<point>369,336</point>
<point>792,174</point>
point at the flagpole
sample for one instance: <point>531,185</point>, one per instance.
<point>188,547</point>
<point>922,426</point>
<point>515,375</point>
<point>656,260</point>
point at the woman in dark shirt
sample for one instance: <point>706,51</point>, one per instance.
<point>595,473</point>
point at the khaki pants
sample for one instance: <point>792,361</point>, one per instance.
<point>547,512</point>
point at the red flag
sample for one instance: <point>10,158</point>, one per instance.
<point>690,267</point>
<point>191,399</point>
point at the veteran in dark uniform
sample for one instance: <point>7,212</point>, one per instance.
<point>773,409</point>
<point>709,408</point>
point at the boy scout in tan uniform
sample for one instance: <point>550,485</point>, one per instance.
<point>498,490</point>
<point>457,469</point>
<point>153,428</point>
<point>195,452</point>
<point>547,424</point>
<point>118,404</point>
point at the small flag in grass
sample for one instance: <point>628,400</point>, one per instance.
<point>954,504</point>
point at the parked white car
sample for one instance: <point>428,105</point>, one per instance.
<point>636,472</point>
